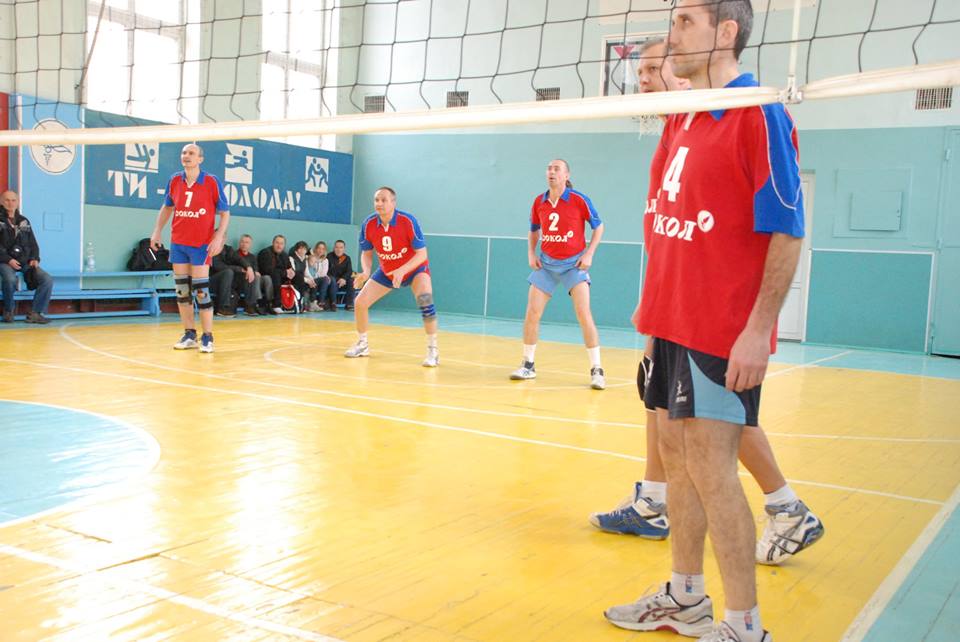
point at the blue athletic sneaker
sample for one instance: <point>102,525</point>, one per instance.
<point>206,342</point>
<point>187,341</point>
<point>638,516</point>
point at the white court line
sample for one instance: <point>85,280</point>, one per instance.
<point>436,426</point>
<point>869,614</point>
<point>801,366</point>
<point>464,409</point>
<point>169,596</point>
<point>346,395</point>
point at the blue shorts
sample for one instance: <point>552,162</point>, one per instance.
<point>380,277</point>
<point>180,254</point>
<point>557,271</point>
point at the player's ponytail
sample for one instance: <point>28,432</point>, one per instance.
<point>569,182</point>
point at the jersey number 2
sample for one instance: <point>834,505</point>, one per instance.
<point>387,244</point>
<point>554,219</point>
<point>671,180</point>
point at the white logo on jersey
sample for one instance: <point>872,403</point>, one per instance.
<point>651,206</point>
<point>672,227</point>
<point>392,257</point>
<point>191,213</point>
<point>557,238</point>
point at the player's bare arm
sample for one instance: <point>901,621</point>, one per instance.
<point>751,351</point>
<point>165,213</point>
<point>217,242</point>
<point>532,258</point>
<point>586,259</point>
<point>366,264</point>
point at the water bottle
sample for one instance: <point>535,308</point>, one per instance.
<point>91,260</point>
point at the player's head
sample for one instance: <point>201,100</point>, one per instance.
<point>279,242</point>
<point>320,249</point>
<point>191,155</point>
<point>558,174</point>
<point>385,201</point>
<point>246,242</point>
<point>707,32</point>
<point>339,247</point>
<point>654,72</point>
<point>10,201</point>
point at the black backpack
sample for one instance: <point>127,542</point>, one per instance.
<point>145,259</point>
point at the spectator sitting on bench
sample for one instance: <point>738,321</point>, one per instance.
<point>298,261</point>
<point>323,293</point>
<point>19,252</point>
<point>249,282</point>
<point>222,278</point>
<point>274,264</point>
<point>341,271</point>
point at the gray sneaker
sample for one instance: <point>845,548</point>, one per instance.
<point>597,382</point>
<point>660,612</point>
<point>359,349</point>
<point>525,371</point>
<point>789,530</point>
<point>724,633</point>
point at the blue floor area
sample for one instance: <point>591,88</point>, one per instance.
<point>54,456</point>
<point>927,606</point>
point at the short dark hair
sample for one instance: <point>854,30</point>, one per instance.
<point>279,236</point>
<point>339,241</point>
<point>649,43</point>
<point>389,189</point>
<point>245,236</point>
<point>299,244</point>
<point>741,12</point>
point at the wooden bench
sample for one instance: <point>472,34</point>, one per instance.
<point>147,291</point>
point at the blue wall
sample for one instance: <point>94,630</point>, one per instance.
<point>876,190</point>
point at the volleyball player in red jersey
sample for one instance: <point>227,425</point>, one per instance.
<point>193,199</point>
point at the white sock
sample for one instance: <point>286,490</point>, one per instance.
<point>687,590</point>
<point>654,491</point>
<point>594,356</point>
<point>431,340</point>
<point>362,337</point>
<point>780,496</point>
<point>746,624</point>
<point>528,351</point>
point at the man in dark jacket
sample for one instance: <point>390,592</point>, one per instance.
<point>223,277</point>
<point>341,271</point>
<point>247,279</point>
<point>274,264</point>
<point>19,252</point>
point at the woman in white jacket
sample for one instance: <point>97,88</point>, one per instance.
<point>322,292</point>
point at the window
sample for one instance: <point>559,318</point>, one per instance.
<point>299,39</point>
<point>143,61</point>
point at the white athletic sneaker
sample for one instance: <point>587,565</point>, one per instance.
<point>187,341</point>
<point>724,633</point>
<point>278,310</point>
<point>597,382</point>
<point>359,349</point>
<point>206,343</point>
<point>789,530</point>
<point>660,612</point>
<point>432,359</point>
<point>525,371</point>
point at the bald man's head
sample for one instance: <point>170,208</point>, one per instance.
<point>10,201</point>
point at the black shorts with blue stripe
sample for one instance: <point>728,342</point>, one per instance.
<point>691,384</point>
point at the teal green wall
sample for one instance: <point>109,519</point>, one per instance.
<point>483,185</point>
<point>868,299</point>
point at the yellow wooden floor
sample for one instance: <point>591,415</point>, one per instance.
<point>301,495</point>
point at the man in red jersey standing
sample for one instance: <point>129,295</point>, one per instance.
<point>193,199</point>
<point>726,228</point>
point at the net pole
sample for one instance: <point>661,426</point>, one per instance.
<point>791,93</point>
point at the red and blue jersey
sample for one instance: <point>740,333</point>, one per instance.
<point>721,183</point>
<point>561,224</point>
<point>394,242</point>
<point>194,207</point>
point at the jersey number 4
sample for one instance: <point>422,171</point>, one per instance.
<point>671,180</point>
